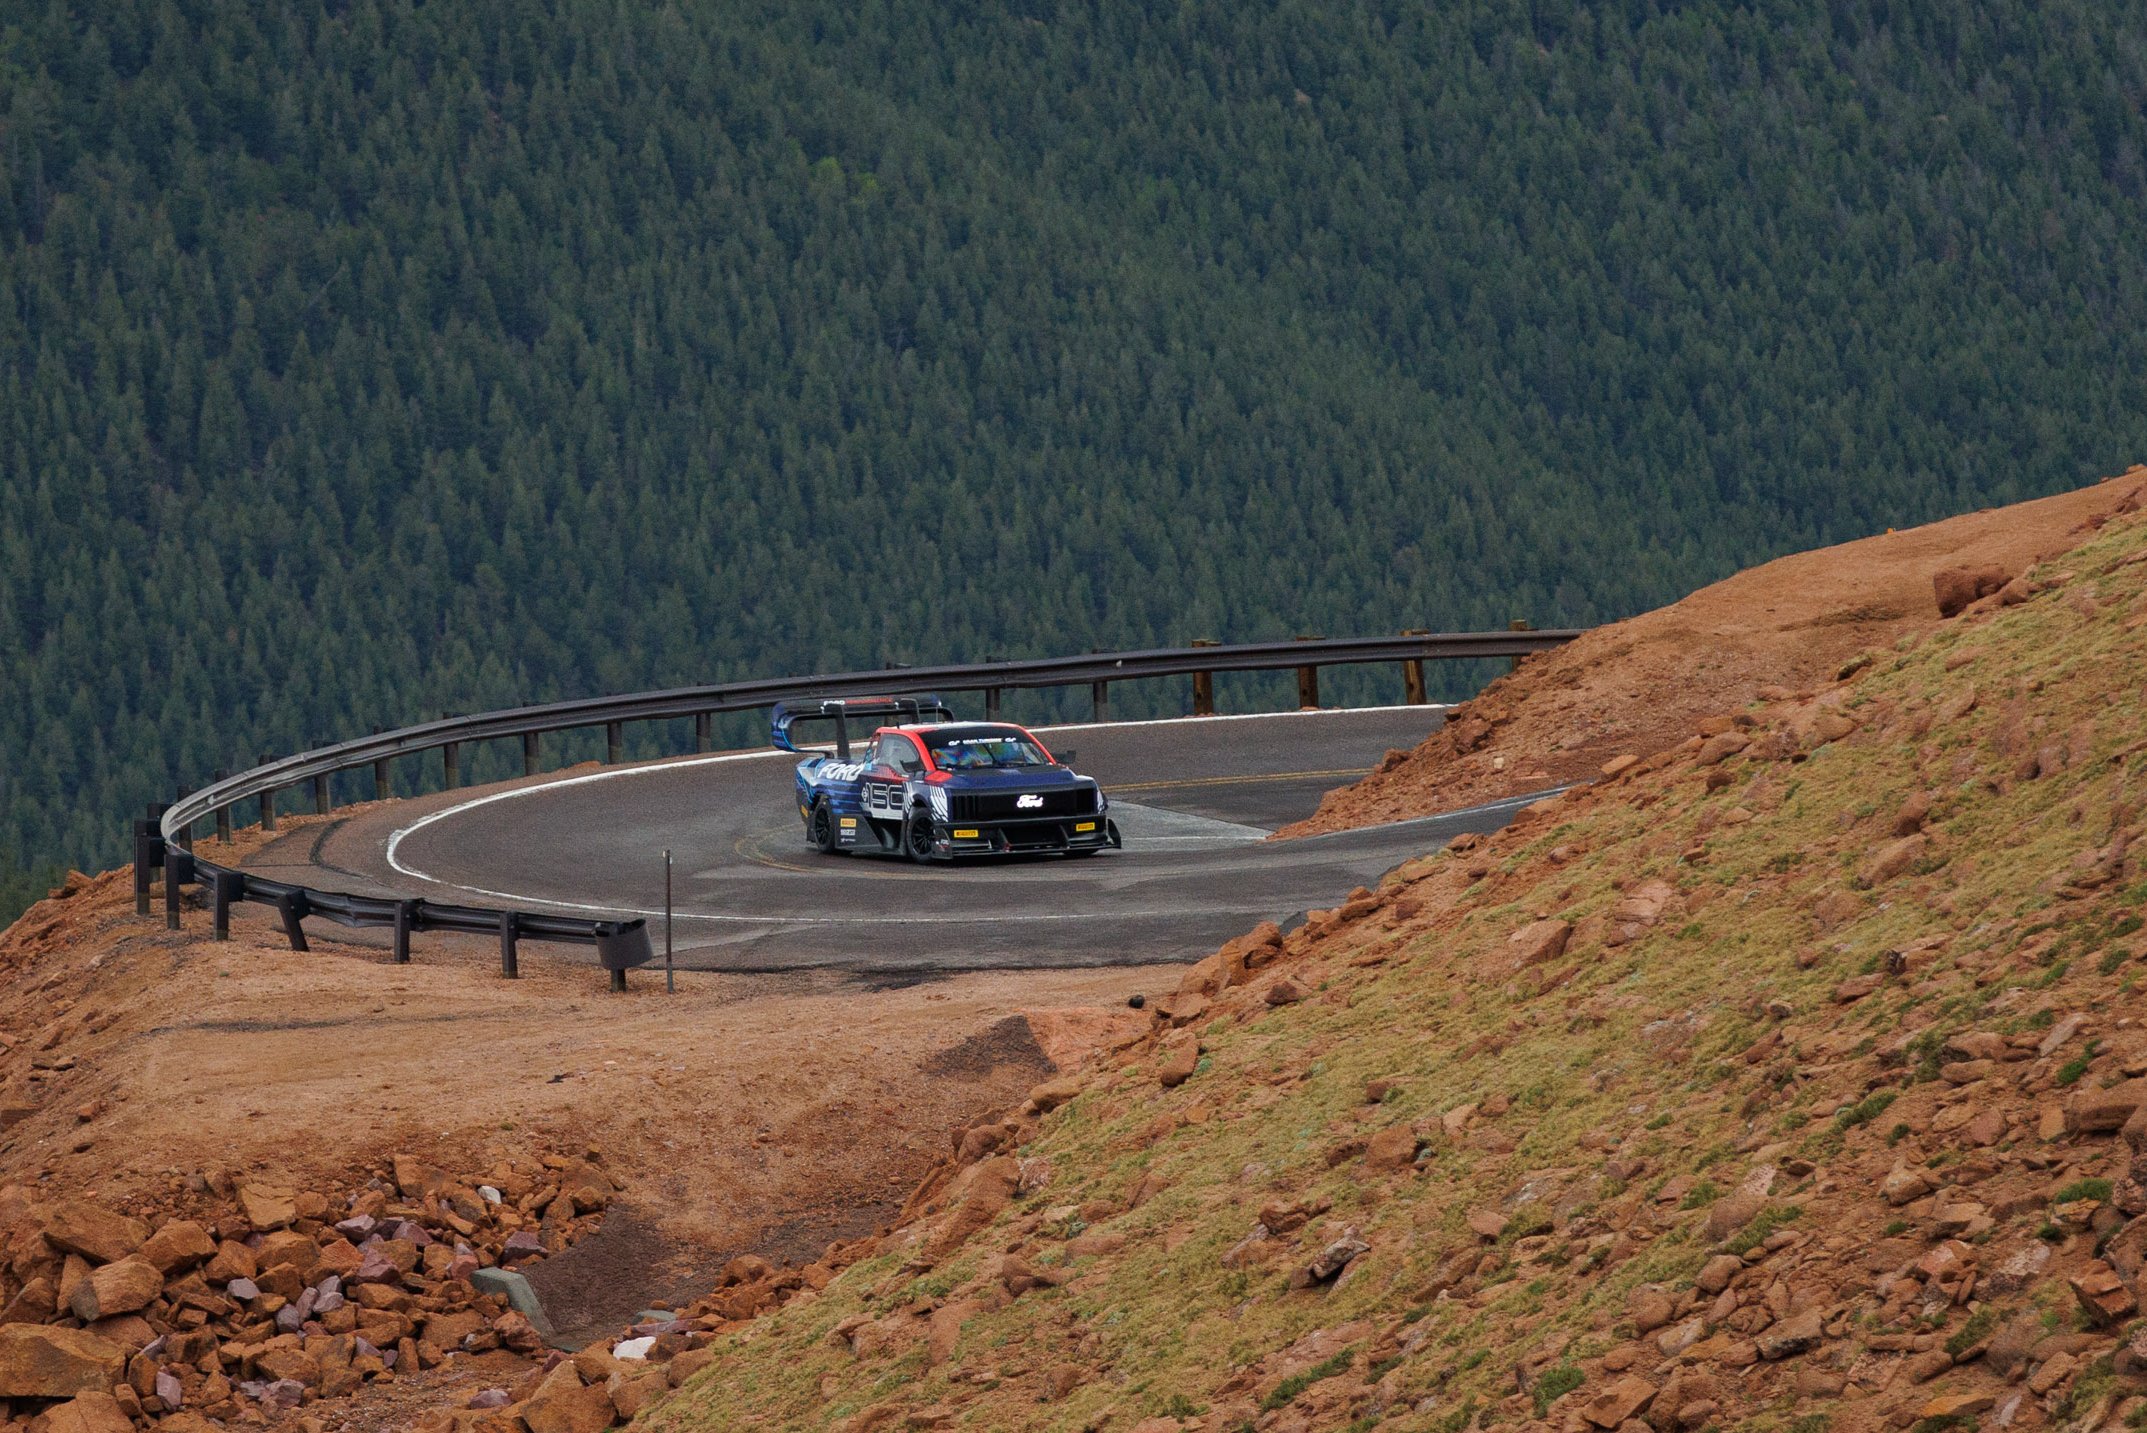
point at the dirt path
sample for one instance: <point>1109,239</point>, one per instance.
<point>769,1114</point>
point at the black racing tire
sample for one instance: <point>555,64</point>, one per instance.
<point>917,835</point>
<point>820,829</point>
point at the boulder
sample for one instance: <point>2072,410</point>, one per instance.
<point>43,1361</point>
<point>179,1245</point>
<point>1207,976</point>
<point>563,1404</point>
<point>1893,858</point>
<point>1902,1184</point>
<point>1912,814</point>
<point>1052,1093</point>
<point>2102,1294</point>
<point>1958,1405</point>
<point>1650,1308</point>
<point>1251,951</point>
<point>267,1206</point>
<point>293,1364</point>
<point>1719,748</point>
<point>2104,1111</point>
<point>121,1288</point>
<point>1337,1256</point>
<point>97,1412</point>
<point>76,1226</point>
<point>415,1179</point>
<point>1284,991</point>
<point>1731,1213</point>
<point>1539,941</point>
<point>1716,1273</point>
<point>1621,1400</point>
<point>1393,1148</point>
<point>1800,1333</point>
<point>1957,587</point>
<point>1638,910</point>
<point>1177,1060</point>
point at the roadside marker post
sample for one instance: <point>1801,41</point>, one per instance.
<point>670,983</point>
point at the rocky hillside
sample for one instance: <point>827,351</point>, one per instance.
<point>1642,683</point>
<point>1792,1078</point>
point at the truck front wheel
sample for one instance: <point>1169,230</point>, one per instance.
<point>917,834</point>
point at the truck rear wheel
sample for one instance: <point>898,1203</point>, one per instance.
<point>820,829</point>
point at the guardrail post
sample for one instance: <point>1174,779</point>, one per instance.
<point>450,765</point>
<point>529,753</point>
<point>405,918</point>
<point>1518,624</point>
<point>292,907</point>
<point>614,742</point>
<point>223,813</point>
<point>1203,684</point>
<point>178,870</point>
<point>509,965</point>
<point>148,856</point>
<point>992,697</point>
<point>383,779</point>
<point>618,982</point>
<point>323,798</point>
<point>1099,699</point>
<point>1413,672</point>
<point>268,800</point>
<point>1308,681</point>
<point>186,833</point>
<point>228,886</point>
<point>703,731</point>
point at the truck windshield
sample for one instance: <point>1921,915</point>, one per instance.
<point>975,748</point>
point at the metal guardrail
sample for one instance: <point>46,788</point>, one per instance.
<point>164,841</point>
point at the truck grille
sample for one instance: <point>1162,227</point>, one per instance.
<point>1006,805</point>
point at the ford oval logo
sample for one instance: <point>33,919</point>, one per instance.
<point>1030,802</point>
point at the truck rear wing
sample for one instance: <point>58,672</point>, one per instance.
<point>783,721</point>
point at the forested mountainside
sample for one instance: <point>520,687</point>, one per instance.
<point>365,361</point>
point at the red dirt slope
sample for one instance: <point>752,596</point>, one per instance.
<point>1639,685</point>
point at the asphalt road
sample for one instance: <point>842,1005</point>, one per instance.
<point>1193,799</point>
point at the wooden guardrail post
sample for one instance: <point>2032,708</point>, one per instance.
<point>451,764</point>
<point>268,800</point>
<point>1099,701</point>
<point>178,870</point>
<point>1518,624</point>
<point>227,887</point>
<point>992,697</point>
<point>510,964</point>
<point>148,857</point>
<point>223,813</point>
<point>383,779</point>
<point>614,742</point>
<point>405,918</point>
<point>1413,671</point>
<point>1308,681</point>
<point>703,731</point>
<point>1204,684</point>
<point>323,798</point>
<point>529,753</point>
<point>292,907</point>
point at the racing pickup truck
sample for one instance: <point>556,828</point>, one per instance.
<point>935,789</point>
